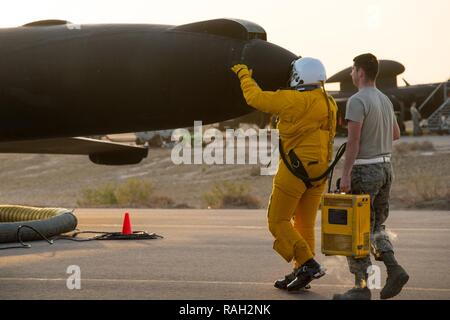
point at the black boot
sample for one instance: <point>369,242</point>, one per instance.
<point>283,283</point>
<point>359,292</point>
<point>354,294</point>
<point>397,277</point>
<point>309,271</point>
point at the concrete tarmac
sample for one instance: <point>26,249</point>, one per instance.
<point>210,254</point>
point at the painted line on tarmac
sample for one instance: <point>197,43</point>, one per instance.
<point>193,226</point>
<point>187,226</point>
<point>420,229</point>
<point>235,283</point>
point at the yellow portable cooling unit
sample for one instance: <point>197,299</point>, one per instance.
<point>346,225</point>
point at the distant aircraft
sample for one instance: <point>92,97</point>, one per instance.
<point>60,81</point>
<point>401,97</point>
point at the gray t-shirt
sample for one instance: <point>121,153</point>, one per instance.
<point>376,113</point>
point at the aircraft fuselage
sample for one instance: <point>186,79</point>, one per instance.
<point>61,80</point>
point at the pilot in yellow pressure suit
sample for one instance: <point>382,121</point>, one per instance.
<point>307,127</point>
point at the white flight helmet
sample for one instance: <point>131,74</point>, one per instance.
<point>306,71</point>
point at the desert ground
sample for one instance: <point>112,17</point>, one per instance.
<point>208,253</point>
<point>422,177</point>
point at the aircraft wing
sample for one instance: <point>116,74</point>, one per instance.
<point>99,152</point>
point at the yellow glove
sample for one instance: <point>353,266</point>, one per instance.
<point>241,71</point>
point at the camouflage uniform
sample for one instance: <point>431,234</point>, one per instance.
<point>416,117</point>
<point>374,180</point>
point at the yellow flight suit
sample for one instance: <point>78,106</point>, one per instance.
<point>303,126</point>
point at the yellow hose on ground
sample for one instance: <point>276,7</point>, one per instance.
<point>48,221</point>
<point>13,213</point>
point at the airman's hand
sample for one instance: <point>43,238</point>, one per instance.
<point>346,184</point>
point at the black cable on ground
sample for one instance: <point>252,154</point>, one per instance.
<point>100,235</point>
<point>136,235</point>
<point>25,245</point>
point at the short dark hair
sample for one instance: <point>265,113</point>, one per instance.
<point>369,63</point>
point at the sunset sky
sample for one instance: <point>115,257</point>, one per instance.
<point>414,32</point>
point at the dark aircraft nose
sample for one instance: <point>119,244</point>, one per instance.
<point>271,64</point>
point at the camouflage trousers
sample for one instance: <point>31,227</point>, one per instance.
<point>374,180</point>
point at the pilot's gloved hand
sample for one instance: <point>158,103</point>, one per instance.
<point>242,71</point>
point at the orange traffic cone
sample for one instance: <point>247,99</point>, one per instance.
<point>126,228</point>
